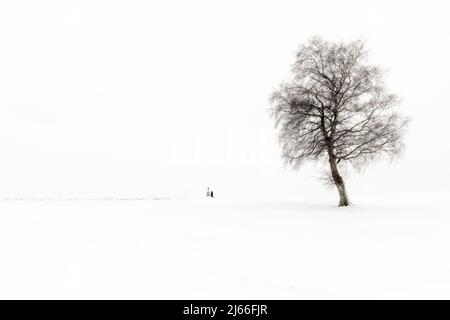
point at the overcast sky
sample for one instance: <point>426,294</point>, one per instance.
<point>143,98</point>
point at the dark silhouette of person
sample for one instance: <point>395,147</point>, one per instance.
<point>212,194</point>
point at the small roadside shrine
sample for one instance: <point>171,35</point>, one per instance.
<point>209,193</point>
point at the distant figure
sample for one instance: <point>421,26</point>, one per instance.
<point>208,193</point>
<point>212,194</point>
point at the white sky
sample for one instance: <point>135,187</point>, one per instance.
<point>136,98</point>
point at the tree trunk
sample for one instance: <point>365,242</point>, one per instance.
<point>338,182</point>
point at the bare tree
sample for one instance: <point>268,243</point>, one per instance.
<point>336,107</point>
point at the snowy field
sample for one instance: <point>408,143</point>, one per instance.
<point>215,249</point>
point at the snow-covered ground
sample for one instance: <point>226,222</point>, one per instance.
<point>381,247</point>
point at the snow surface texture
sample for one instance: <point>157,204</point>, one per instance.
<point>215,249</point>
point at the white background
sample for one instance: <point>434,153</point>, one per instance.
<point>143,98</point>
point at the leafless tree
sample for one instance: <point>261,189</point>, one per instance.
<point>336,107</point>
